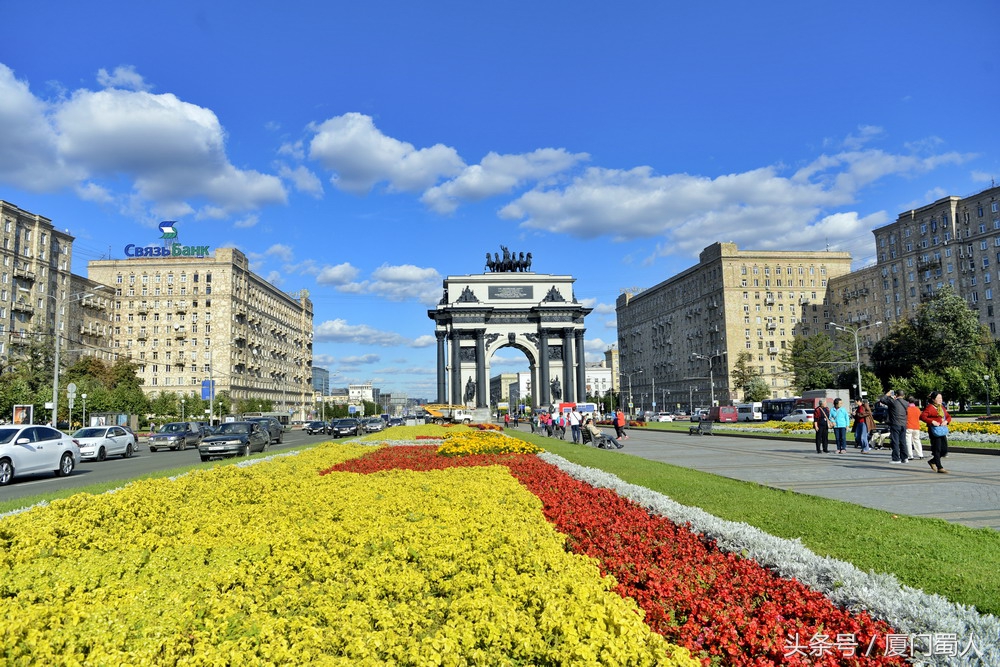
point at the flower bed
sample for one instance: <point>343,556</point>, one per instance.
<point>275,564</point>
<point>721,606</point>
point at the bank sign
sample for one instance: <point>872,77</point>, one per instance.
<point>171,250</point>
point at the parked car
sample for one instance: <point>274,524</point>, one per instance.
<point>100,442</point>
<point>698,414</point>
<point>312,428</point>
<point>396,421</point>
<point>799,415</point>
<point>374,425</point>
<point>880,413</point>
<point>27,448</point>
<point>664,417</point>
<point>346,427</point>
<point>235,439</point>
<point>175,435</point>
<point>272,426</point>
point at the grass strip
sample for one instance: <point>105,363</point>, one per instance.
<point>932,555</point>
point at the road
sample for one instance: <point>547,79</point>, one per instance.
<point>119,469</point>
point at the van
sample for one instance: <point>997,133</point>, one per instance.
<point>723,413</point>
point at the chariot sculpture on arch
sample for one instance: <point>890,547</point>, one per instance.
<point>511,262</point>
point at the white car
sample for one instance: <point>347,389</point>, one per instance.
<point>27,449</point>
<point>100,442</point>
<point>800,415</point>
<point>663,417</point>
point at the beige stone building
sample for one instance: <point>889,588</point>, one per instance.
<point>953,242</point>
<point>678,340</point>
<point>187,319</point>
<point>35,281</point>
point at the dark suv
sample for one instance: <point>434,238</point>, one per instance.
<point>272,426</point>
<point>312,428</point>
<point>346,427</point>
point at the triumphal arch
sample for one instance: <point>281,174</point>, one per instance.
<point>508,305</point>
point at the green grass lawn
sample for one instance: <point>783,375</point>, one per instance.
<point>959,563</point>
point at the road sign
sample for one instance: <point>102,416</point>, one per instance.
<point>208,390</point>
<point>71,389</point>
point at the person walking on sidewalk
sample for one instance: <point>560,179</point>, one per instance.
<point>619,422</point>
<point>574,424</point>
<point>821,424</point>
<point>936,416</point>
<point>897,406</point>
<point>863,423</point>
<point>840,418</point>
<point>913,447</point>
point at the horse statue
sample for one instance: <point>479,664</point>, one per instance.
<point>489,263</point>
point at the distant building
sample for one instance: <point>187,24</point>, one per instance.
<point>186,319</point>
<point>678,340</point>
<point>321,380</point>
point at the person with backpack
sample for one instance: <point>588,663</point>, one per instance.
<point>897,406</point>
<point>821,424</point>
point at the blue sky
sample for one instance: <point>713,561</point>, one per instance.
<point>364,151</point>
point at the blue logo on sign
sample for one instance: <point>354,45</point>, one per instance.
<point>167,227</point>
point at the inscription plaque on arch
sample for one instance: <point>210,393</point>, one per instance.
<point>511,291</point>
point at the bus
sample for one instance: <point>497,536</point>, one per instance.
<point>750,412</point>
<point>282,417</point>
<point>776,409</point>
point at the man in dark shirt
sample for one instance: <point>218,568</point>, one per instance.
<point>897,407</point>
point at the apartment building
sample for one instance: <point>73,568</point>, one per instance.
<point>678,340</point>
<point>36,286</point>
<point>186,319</point>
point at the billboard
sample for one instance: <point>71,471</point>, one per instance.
<point>23,414</point>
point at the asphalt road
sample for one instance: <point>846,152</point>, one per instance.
<point>122,470</point>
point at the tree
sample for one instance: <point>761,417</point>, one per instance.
<point>810,362</point>
<point>946,340</point>
<point>747,378</point>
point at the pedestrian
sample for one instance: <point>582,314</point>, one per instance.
<point>533,422</point>
<point>821,424</point>
<point>862,415</point>
<point>936,416</point>
<point>562,426</point>
<point>506,420</point>
<point>619,422</point>
<point>913,447</point>
<point>574,424</point>
<point>897,406</point>
<point>840,419</point>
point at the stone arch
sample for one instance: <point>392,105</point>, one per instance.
<point>536,313</point>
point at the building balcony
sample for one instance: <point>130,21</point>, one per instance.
<point>23,307</point>
<point>24,274</point>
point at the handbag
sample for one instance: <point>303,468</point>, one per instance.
<point>938,431</point>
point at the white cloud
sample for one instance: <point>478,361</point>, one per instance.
<point>636,203</point>
<point>281,251</point>
<point>303,180</point>
<point>605,308</point>
<point>247,222</point>
<point>499,174</point>
<point>171,152</point>
<point>275,278</point>
<point>423,341</point>
<point>124,77</point>
<point>29,154</point>
<point>339,331</point>
<point>341,274</point>
<point>399,283</point>
<point>362,156</point>
<point>359,360</point>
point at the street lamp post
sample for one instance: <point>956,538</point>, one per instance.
<point>986,380</point>
<point>857,347</point>
<point>653,378</point>
<point>57,324</point>
<point>84,397</point>
<point>182,409</point>
<point>630,404</point>
<point>711,372</point>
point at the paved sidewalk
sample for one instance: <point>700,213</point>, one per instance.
<point>969,495</point>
